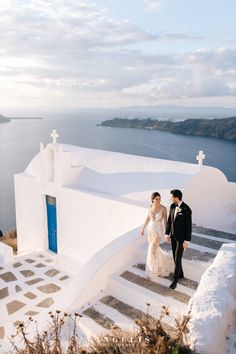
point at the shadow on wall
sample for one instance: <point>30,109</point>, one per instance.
<point>119,184</point>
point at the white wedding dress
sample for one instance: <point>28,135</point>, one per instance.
<point>157,263</point>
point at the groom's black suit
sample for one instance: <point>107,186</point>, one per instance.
<point>180,230</point>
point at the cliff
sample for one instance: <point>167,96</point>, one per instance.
<point>224,128</point>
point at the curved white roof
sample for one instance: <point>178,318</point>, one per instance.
<point>116,173</point>
<point>109,162</point>
<point>33,167</point>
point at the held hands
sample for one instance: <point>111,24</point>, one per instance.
<point>167,238</point>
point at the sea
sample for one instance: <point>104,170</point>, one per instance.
<point>20,142</point>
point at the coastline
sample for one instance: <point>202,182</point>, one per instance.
<point>219,128</point>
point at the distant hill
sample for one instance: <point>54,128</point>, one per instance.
<point>224,128</point>
<point>4,119</point>
<point>12,118</point>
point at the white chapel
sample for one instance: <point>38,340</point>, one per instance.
<point>75,201</point>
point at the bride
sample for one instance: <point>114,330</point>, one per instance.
<point>157,259</point>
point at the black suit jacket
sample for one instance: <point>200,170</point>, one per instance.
<point>182,225</point>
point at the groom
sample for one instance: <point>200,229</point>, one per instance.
<point>178,231</point>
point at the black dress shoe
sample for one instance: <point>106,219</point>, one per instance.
<point>173,285</point>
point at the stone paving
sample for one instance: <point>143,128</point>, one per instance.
<point>27,286</point>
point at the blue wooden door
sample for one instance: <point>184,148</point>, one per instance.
<point>52,223</point>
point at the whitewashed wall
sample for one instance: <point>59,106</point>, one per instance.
<point>88,222</point>
<point>213,306</point>
<point>30,215</point>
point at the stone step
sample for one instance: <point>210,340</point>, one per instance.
<point>124,308</point>
<point>155,287</point>
<point>165,281</point>
<point>89,327</point>
<point>99,318</point>
<point>212,232</point>
<point>210,237</point>
<point>192,284</point>
<point>115,313</point>
<point>198,240</point>
<point>193,254</point>
<point>128,311</point>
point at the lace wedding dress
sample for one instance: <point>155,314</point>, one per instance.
<point>157,263</point>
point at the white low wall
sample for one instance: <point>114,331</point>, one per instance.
<point>116,257</point>
<point>30,217</point>
<point>214,303</point>
<point>6,253</point>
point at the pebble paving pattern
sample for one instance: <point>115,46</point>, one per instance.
<point>27,286</point>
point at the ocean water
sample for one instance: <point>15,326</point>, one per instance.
<point>19,142</point>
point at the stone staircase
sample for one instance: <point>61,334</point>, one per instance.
<point>129,292</point>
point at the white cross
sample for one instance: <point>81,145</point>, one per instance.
<point>200,157</point>
<point>54,136</point>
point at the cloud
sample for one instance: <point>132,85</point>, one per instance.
<point>204,73</point>
<point>45,28</point>
<point>153,5</point>
<point>75,53</point>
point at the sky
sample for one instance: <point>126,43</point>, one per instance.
<point>117,53</point>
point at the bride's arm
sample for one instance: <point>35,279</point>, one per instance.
<point>145,224</point>
<point>164,216</point>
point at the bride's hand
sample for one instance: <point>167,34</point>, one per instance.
<point>167,238</point>
<point>142,232</point>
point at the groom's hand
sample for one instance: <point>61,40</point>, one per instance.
<point>185,245</point>
<point>167,237</point>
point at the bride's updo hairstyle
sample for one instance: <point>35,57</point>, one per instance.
<point>154,195</point>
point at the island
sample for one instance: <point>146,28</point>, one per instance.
<point>221,128</point>
<point>4,119</point>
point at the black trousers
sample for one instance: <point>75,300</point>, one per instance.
<point>177,249</point>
